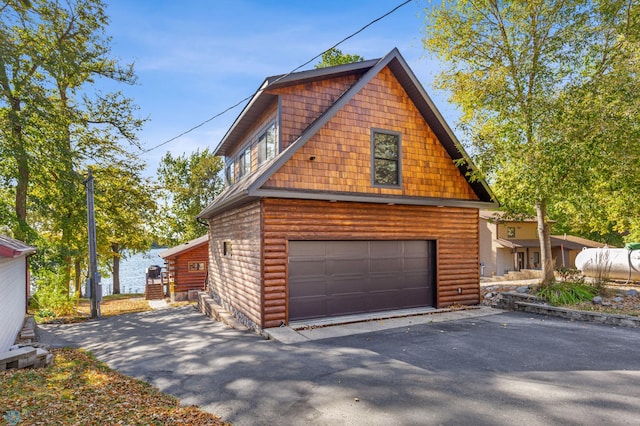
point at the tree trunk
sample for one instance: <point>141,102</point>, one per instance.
<point>544,235</point>
<point>78,274</point>
<point>22,160</point>
<point>116,268</point>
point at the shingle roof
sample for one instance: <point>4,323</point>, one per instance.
<point>14,248</point>
<point>189,245</point>
<point>250,187</point>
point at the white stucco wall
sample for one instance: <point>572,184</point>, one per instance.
<point>12,299</point>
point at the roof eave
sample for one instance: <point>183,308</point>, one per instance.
<point>375,199</point>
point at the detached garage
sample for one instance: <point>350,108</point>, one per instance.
<point>346,193</point>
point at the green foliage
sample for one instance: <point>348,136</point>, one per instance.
<point>51,298</point>
<point>334,56</point>
<point>54,124</point>
<point>189,184</point>
<point>566,293</point>
<point>548,94</point>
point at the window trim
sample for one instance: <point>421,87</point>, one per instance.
<point>375,131</point>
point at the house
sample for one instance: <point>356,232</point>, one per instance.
<point>186,268</point>
<point>14,288</point>
<point>508,244</point>
<point>347,193</point>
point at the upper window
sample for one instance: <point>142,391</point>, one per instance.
<point>511,232</point>
<point>385,147</point>
<point>267,144</point>
<point>231,172</point>
<point>244,162</point>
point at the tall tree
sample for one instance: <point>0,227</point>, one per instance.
<point>510,66</point>
<point>189,183</point>
<point>125,208</point>
<point>334,56</point>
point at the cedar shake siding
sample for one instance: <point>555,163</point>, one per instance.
<point>302,104</point>
<point>235,277</point>
<point>455,231</point>
<point>342,150</point>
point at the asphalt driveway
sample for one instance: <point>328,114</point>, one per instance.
<point>502,369</point>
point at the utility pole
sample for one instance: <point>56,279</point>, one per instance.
<point>93,283</point>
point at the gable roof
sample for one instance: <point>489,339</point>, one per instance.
<point>184,247</point>
<point>14,248</point>
<point>250,187</point>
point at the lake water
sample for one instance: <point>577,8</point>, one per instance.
<point>133,272</point>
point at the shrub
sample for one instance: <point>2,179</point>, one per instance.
<point>51,296</point>
<point>567,293</point>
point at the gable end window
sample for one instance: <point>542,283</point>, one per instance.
<point>385,158</point>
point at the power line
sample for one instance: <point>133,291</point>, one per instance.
<point>278,79</point>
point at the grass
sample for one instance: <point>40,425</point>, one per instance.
<point>566,293</point>
<point>114,304</point>
<point>80,390</point>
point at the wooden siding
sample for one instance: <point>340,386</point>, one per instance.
<point>178,269</point>
<point>236,278</point>
<point>302,104</point>
<point>342,149</point>
<point>12,299</point>
<point>455,231</point>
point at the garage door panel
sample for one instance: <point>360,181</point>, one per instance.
<point>313,307</point>
<point>386,265</point>
<point>417,264</point>
<point>381,282</point>
<point>346,305</point>
<point>385,249</point>
<point>345,249</point>
<point>347,266</point>
<point>308,249</point>
<point>359,276</point>
<point>308,287</point>
<point>346,285</point>
<point>307,268</point>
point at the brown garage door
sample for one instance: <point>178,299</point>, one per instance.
<point>330,278</point>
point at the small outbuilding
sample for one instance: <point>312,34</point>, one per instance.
<point>14,288</point>
<point>186,268</point>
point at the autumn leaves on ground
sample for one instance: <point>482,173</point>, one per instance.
<point>80,390</point>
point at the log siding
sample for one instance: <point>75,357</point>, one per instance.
<point>183,279</point>
<point>236,279</point>
<point>455,231</point>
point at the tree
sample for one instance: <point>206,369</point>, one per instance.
<point>511,66</point>
<point>334,56</point>
<point>125,209</point>
<point>54,123</point>
<point>189,183</point>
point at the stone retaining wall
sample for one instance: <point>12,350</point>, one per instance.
<point>527,303</point>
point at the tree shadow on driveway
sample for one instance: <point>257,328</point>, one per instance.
<point>500,369</point>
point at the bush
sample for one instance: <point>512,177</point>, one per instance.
<point>567,293</point>
<point>51,296</point>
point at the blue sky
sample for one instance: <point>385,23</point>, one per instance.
<point>195,58</point>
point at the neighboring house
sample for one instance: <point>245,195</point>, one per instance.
<point>347,193</point>
<point>186,268</point>
<point>512,245</point>
<point>14,288</point>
